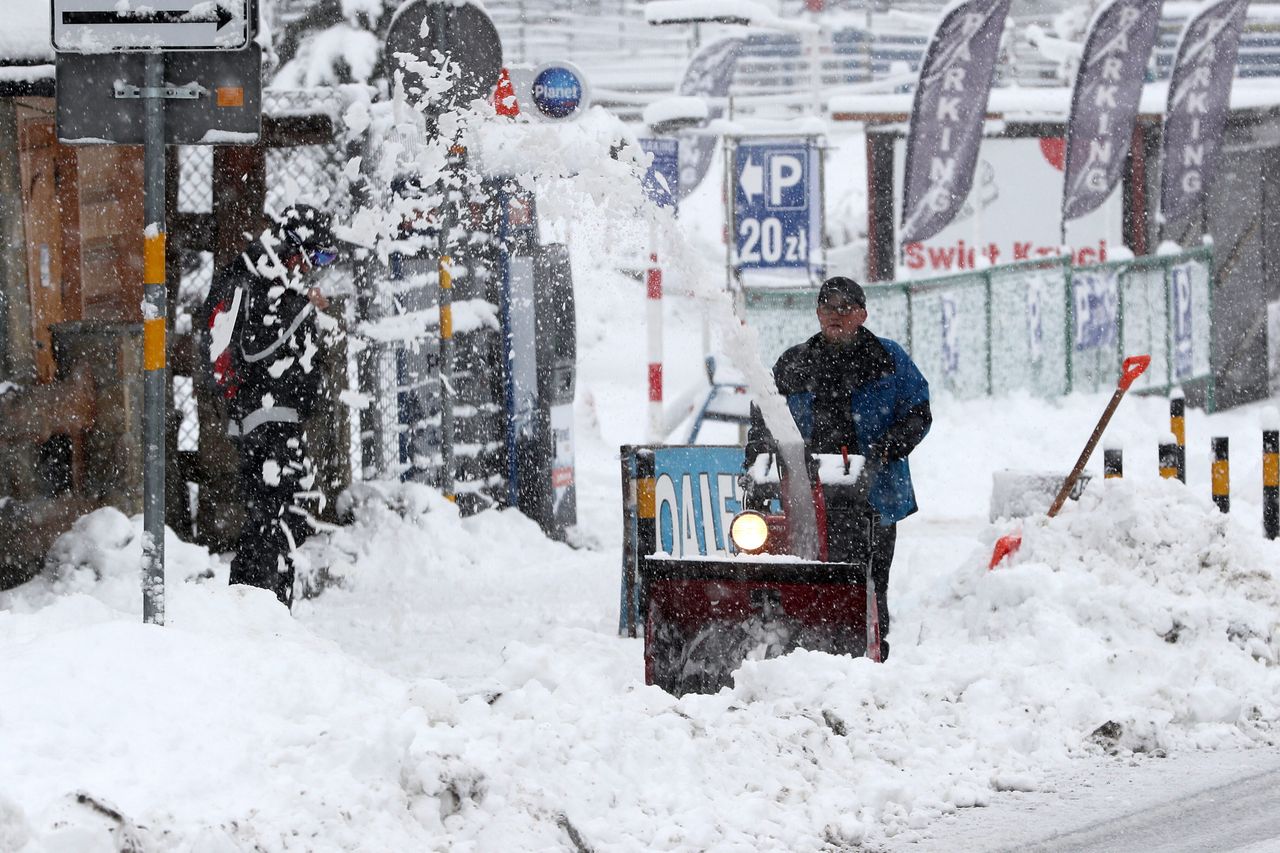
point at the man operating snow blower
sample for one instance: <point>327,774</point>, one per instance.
<point>852,392</point>
<point>265,352</point>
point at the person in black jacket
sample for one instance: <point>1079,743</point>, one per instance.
<point>266,355</point>
<point>850,390</point>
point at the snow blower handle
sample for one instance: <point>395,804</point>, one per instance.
<point>1133,367</point>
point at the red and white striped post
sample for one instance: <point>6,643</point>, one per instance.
<point>653,323</point>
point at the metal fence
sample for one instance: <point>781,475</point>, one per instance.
<point>1038,326</point>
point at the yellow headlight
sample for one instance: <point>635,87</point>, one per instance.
<point>749,532</point>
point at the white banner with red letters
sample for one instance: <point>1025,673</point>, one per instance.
<point>1012,214</point>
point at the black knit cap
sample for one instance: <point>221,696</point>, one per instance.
<point>842,287</point>
<point>302,226</point>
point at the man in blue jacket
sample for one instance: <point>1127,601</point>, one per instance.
<point>849,389</point>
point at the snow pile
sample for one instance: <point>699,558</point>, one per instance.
<point>233,727</point>
<point>511,718</point>
<point>101,556</point>
<point>1146,607</point>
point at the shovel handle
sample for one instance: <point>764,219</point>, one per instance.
<point>1133,367</point>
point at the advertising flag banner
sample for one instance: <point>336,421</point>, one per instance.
<point>1104,102</point>
<point>708,75</point>
<point>947,114</point>
<point>1196,114</point>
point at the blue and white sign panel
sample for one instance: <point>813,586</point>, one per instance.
<point>662,180</point>
<point>1097,303</point>
<point>777,204</point>
<point>558,91</point>
<point>1182,304</point>
<point>696,495</point>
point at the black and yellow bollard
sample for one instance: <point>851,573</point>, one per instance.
<point>1168,458</point>
<point>646,533</point>
<point>1178,426</point>
<point>1221,474</point>
<point>446,379</point>
<point>1271,483</point>
<point>1113,463</point>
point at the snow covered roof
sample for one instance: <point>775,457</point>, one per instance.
<point>25,36</point>
<point>1053,104</point>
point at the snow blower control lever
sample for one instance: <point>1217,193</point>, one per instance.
<point>1132,368</point>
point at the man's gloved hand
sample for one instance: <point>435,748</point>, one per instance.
<point>887,449</point>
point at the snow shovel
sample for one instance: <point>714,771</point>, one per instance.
<point>1132,368</point>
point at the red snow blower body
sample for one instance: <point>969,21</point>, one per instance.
<point>704,615</point>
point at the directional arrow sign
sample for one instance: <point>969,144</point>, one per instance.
<point>106,26</point>
<point>752,179</point>
<point>777,205</point>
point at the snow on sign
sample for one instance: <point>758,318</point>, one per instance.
<point>775,206</point>
<point>107,26</point>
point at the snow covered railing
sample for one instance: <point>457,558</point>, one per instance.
<point>1040,326</point>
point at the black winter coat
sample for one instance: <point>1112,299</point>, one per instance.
<point>276,351</point>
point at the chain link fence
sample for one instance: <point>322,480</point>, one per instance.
<point>1037,326</point>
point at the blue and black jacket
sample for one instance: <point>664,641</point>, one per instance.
<point>867,396</point>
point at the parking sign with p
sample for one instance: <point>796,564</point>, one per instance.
<point>777,203</point>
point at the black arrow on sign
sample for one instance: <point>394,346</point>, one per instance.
<point>221,17</point>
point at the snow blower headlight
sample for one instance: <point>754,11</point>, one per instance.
<point>749,532</point>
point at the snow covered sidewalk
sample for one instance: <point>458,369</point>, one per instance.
<point>462,689</point>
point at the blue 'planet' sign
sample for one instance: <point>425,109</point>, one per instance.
<point>558,91</point>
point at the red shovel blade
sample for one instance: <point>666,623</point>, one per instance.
<point>1005,546</point>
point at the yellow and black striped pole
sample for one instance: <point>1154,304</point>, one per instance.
<point>1168,458</point>
<point>1113,463</point>
<point>1178,426</point>
<point>446,378</point>
<point>626,616</point>
<point>1271,483</point>
<point>1221,473</point>
<point>154,317</point>
<point>646,530</point>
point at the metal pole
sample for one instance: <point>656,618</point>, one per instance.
<point>1271,482</point>
<point>368,359</point>
<point>653,330</point>
<point>1221,473</point>
<point>154,313</point>
<point>446,378</point>
<point>870,56</point>
<point>730,199</point>
<point>1178,426</point>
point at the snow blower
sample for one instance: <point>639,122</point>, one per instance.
<point>705,615</point>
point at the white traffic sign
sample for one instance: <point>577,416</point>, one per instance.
<point>107,26</point>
